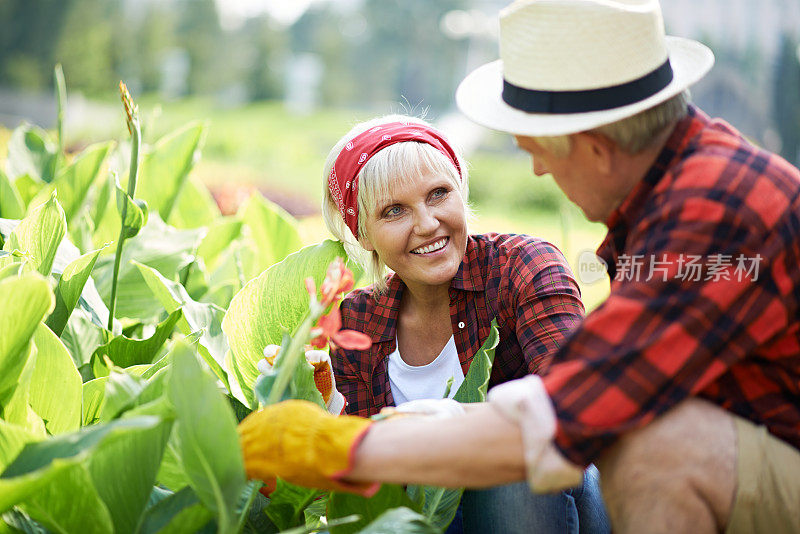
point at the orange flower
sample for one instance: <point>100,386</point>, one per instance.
<point>329,328</point>
<point>338,280</point>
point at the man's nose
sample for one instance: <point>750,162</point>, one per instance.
<point>538,168</point>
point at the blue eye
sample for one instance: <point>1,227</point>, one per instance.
<point>439,192</point>
<point>392,211</point>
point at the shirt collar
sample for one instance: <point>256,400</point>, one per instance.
<point>629,210</point>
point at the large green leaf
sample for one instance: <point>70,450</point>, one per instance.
<point>197,317</point>
<point>124,471</point>
<point>26,301</point>
<point>178,513</point>
<point>11,206</point>
<point>56,390</point>
<point>271,304</point>
<point>39,235</point>
<point>441,504</point>
<point>82,336</point>
<point>273,231</point>
<point>166,165</point>
<point>158,246</point>
<point>286,504</point>
<point>31,152</point>
<point>71,482</point>
<point>195,206</point>
<point>221,233</point>
<point>344,504</point>
<point>18,408</point>
<point>13,439</point>
<point>73,182</point>
<point>209,444</point>
<point>401,520</point>
<point>68,291</point>
<point>125,352</point>
<point>122,390</point>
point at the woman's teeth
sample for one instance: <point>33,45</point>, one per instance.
<point>433,247</point>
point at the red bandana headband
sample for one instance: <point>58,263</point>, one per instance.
<point>343,180</point>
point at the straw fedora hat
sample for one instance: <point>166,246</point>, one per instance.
<point>567,66</point>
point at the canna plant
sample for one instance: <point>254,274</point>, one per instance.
<point>123,373</point>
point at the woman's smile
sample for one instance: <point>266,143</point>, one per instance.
<point>432,247</point>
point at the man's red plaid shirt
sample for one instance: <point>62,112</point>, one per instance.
<point>728,338</point>
<point>524,282</point>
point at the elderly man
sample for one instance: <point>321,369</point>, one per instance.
<point>684,386</point>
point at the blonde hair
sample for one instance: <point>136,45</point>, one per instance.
<point>396,163</point>
<point>632,134</point>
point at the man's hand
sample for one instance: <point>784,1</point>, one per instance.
<point>301,443</point>
<point>526,402</point>
<point>323,375</point>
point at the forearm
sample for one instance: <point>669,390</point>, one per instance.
<point>479,449</point>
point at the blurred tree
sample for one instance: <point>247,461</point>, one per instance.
<point>85,44</point>
<point>198,32</point>
<point>787,99</point>
<point>267,44</point>
<point>29,30</point>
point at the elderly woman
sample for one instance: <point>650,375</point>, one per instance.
<point>396,196</point>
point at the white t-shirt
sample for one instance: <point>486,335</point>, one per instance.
<point>409,382</point>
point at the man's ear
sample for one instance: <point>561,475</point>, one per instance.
<point>599,149</point>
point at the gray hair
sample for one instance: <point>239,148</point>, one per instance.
<point>396,163</point>
<point>632,134</point>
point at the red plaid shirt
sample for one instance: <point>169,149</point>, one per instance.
<point>731,339</point>
<point>525,282</point>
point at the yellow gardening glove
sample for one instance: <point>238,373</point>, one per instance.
<point>301,443</point>
<point>323,375</point>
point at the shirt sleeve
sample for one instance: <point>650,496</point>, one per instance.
<point>546,302</point>
<point>665,333</point>
<point>349,384</point>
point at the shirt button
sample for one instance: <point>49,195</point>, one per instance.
<point>461,324</point>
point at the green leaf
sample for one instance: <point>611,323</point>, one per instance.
<point>178,513</point>
<point>158,246</point>
<point>18,409</point>
<point>11,206</point>
<point>124,470</point>
<point>125,352</point>
<point>39,234</point>
<point>31,152</point>
<point>82,336</point>
<point>73,182</point>
<point>55,390</point>
<point>476,383</point>
<point>28,187</point>
<point>197,317</point>
<point>221,233</point>
<point>135,211</point>
<point>343,504</point>
<point>209,445</point>
<point>26,300</point>
<point>70,483</point>
<point>93,395</point>
<point>69,289</point>
<point>273,230</point>
<point>195,206</point>
<point>13,439</point>
<point>273,303</point>
<point>122,390</point>
<point>166,166</point>
<point>401,521</point>
<point>19,521</point>
<point>286,504</point>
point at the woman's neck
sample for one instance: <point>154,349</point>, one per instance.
<point>425,300</point>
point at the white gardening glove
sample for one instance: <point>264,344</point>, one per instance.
<point>526,402</point>
<point>323,375</point>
